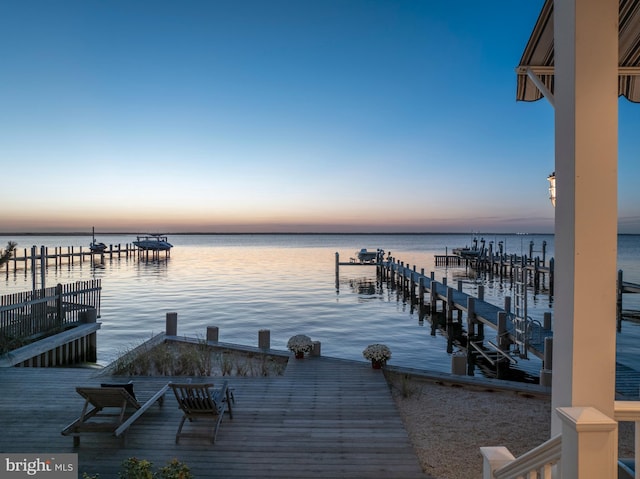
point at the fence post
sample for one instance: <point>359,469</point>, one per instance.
<point>494,458</point>
<point>59,308</point>
<point>43,266</point>
<point>33,267</point>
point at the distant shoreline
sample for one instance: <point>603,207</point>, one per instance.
<point>198,233</point>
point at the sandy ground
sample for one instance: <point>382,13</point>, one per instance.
<point>447,424</point>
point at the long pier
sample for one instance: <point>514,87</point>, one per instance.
<point>447,307</point>
<point>427,291</point>
<point>35,257</point>
<point>463,319</point>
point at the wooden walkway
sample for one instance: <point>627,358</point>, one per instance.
<point>324,418</point>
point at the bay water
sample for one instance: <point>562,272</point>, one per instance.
<point>287,283</point>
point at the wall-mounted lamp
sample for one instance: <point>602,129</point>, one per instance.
<point>552,187</point>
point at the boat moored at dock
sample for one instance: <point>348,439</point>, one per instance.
<point>365,256</point>
<point>153,242</point>
<point>95,246</point>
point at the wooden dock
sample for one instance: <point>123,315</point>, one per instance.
<point>503,266</point>
<point>44,257</point>
<point>425,290</point>
<point>324,418</point>
<point>437,299</point>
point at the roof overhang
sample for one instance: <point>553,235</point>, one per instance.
<point>535,71</point>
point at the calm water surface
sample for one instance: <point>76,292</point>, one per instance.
<point>286,283</point>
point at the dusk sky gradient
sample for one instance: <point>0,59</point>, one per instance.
<point>277,116</point>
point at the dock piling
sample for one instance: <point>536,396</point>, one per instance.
<point>171,328</point>
<point>264,339</point>
<point>212,333</point>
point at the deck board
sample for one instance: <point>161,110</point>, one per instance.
<point>324,418</point>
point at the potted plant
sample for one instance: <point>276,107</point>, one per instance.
<point>379,354</point>
<point>299,344</point>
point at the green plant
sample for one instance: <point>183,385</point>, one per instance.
<point>142,361</point>
<point>242,368</point>
<point>8,344</point>
<point>186,361</point>
<point>124,364</point>
<point>90,476</point>
<point>203,357</point>
<point>174,470</point>
<point>162,359</point>
<point>134,468</point>
<point>226,365</point>
<point>5,255</point>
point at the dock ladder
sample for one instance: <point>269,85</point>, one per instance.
<point>520,317</point>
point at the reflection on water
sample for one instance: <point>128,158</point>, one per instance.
<point>285,283</point>
<point>365,287</point>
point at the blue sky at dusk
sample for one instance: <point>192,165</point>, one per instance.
<point>272,116</point>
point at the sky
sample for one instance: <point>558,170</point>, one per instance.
<point>277,116</point>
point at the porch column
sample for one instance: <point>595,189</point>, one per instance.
<point>586,131</point>
<point>589,444</point>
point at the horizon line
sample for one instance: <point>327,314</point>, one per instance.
<point>201,233</point>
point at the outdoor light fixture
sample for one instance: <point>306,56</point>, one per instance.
<point>552,187</point>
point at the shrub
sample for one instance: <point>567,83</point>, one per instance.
<point>174,470</point>
<point>134,468</point>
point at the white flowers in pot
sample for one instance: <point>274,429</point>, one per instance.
<point>377,352</point>
<point>300,344</point>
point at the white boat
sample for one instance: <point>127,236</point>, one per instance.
<point>94,246</point>
<point>466,252</point>
<point>153,242</point>
<point>470,252</point>
<point>365,256</point>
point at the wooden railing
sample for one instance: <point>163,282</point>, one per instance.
<point>535,464</point>
<point>539,463</point>
<point>28,315</point>
<point>629,411</point>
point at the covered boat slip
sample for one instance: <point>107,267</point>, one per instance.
<point>324,418</point>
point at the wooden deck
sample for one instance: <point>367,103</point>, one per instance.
<point>324,418</point>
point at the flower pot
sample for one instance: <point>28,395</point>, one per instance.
<point>299,354</point>
<point>375,364</point>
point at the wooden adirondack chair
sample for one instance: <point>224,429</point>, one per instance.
<point>107,408</point>
<point>202,401</point>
